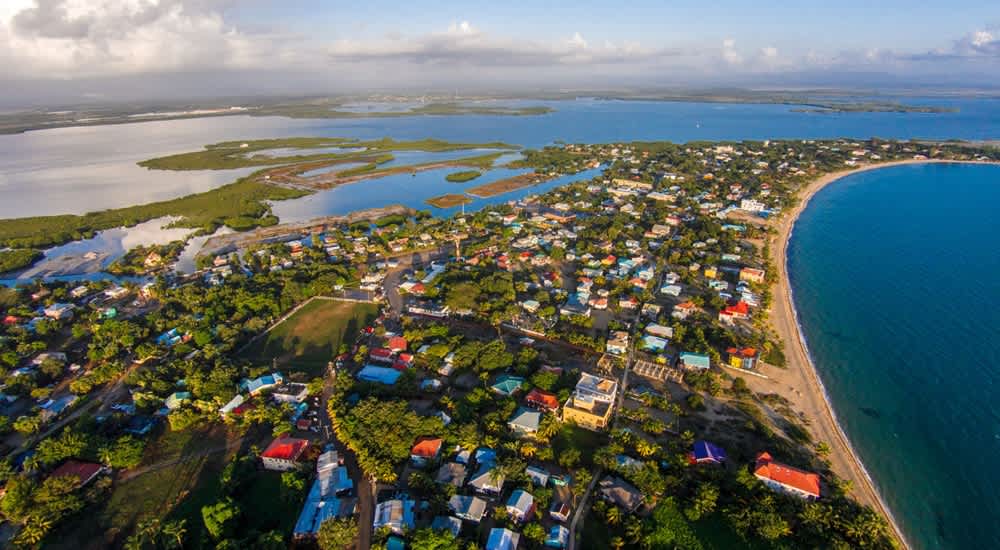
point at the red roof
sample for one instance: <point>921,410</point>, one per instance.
<point>84,471</point>
<point>303,424</point>
<point>246,406</point>
<point>397,343</point>
<point>740,308</point>
<point>285,448</point>
<point>381,353</point>
<point>786,475</point>
<point>427,447</point>
<point>542,398</point>
<point>749,353</point>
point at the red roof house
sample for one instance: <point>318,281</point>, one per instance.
<point>396,343</point>
<point>786,479</point>
<point>739,310</point>
<point>542,400</point>
<point>283,453</point>
<point>83,471</point>
<point>425,450</point>
<point>381,354</point>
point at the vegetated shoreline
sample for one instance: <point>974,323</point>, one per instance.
<point>506,185</point>
<point>449,200</point>
<point>813,399</point>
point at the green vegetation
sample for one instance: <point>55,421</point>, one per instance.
<point>235,202</point>
<point>144,259</point>
<point>448,201</point>
<point>463,176</point>
<point>239,154</point>
<point>11,260</point>
<point>313,335</point>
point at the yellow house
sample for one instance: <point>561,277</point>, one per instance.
<point>587,413</point>
<point>711,272</point>
<point>752,275</point>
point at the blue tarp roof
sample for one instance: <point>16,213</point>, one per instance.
<point>381,375</point>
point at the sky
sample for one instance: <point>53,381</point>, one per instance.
<point>92,50</point>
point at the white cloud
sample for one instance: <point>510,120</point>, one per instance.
<point>729,53</point>
<point>578,42</point>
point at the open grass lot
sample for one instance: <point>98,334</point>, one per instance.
<point>311,337</point>
<point>182,477</point>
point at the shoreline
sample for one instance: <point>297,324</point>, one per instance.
<point>801,375</point>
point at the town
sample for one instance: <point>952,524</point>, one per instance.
<point>591,367</point>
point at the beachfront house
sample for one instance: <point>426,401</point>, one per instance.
<point>786,479</point>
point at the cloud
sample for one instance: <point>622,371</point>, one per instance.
<point>465,45</point>
<point>80,38</point>
<point>729,53</point>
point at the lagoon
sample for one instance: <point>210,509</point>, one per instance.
<point>75,170</point>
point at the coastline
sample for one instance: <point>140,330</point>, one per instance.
<point>801,377</point>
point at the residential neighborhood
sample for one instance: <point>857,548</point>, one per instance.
<point>589,367</point>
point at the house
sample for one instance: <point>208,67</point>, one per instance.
<point>506,384</point>
<point>705,452</point>
<point>396,514</point>
<point>447,523</point>
<point>618,343</point>
<point>558,537</point>
<point>380,375</point>
<point>620,493</point>
<point>683,310</point>
<point>521,505</point>
<point>425,450</point>
<point>283,453</point>
<point>542,400</point>
<point>396,343</point>
<point>233,403</point>
<point>290,393</point>
<point>745,358</point>
<point>262,383</point>
<point>752,275</point>
<point>381,355</point>
<point>694,361</point>
<point>176,399</point>
<point>502,539</point>
<point>488,480</point>
<point>467,507</point>
<point>60,311</point>
<point>659,331</point>
<point>84,472</point>
<point>452,473</point>
<point>537,476</point>
<point>525,421</point>
<point>560,510</point>
<point>592,401</point>
<point>786,479</point>
<point>738,311</point>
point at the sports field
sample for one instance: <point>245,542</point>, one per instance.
<point>311,337</point>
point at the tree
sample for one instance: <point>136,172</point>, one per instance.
<point>534,532</point>
<point>337,534</point>
<point>430,539</point>
<point>703,502</point>
<point>221,518</point>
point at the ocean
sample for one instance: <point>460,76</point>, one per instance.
<point>896,280</point>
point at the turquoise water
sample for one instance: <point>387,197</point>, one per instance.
<point>896,278</point>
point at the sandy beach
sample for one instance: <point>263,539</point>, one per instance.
<point>800,382</point>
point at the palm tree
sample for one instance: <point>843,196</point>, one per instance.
<point>633,530</point>
<point>175,532</point>
<point>617,543</point>
<point>614,515</point>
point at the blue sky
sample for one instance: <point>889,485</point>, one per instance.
<point>105,47</point>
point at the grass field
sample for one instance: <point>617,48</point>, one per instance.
<point>178,489</point>
<point>311,337</point>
